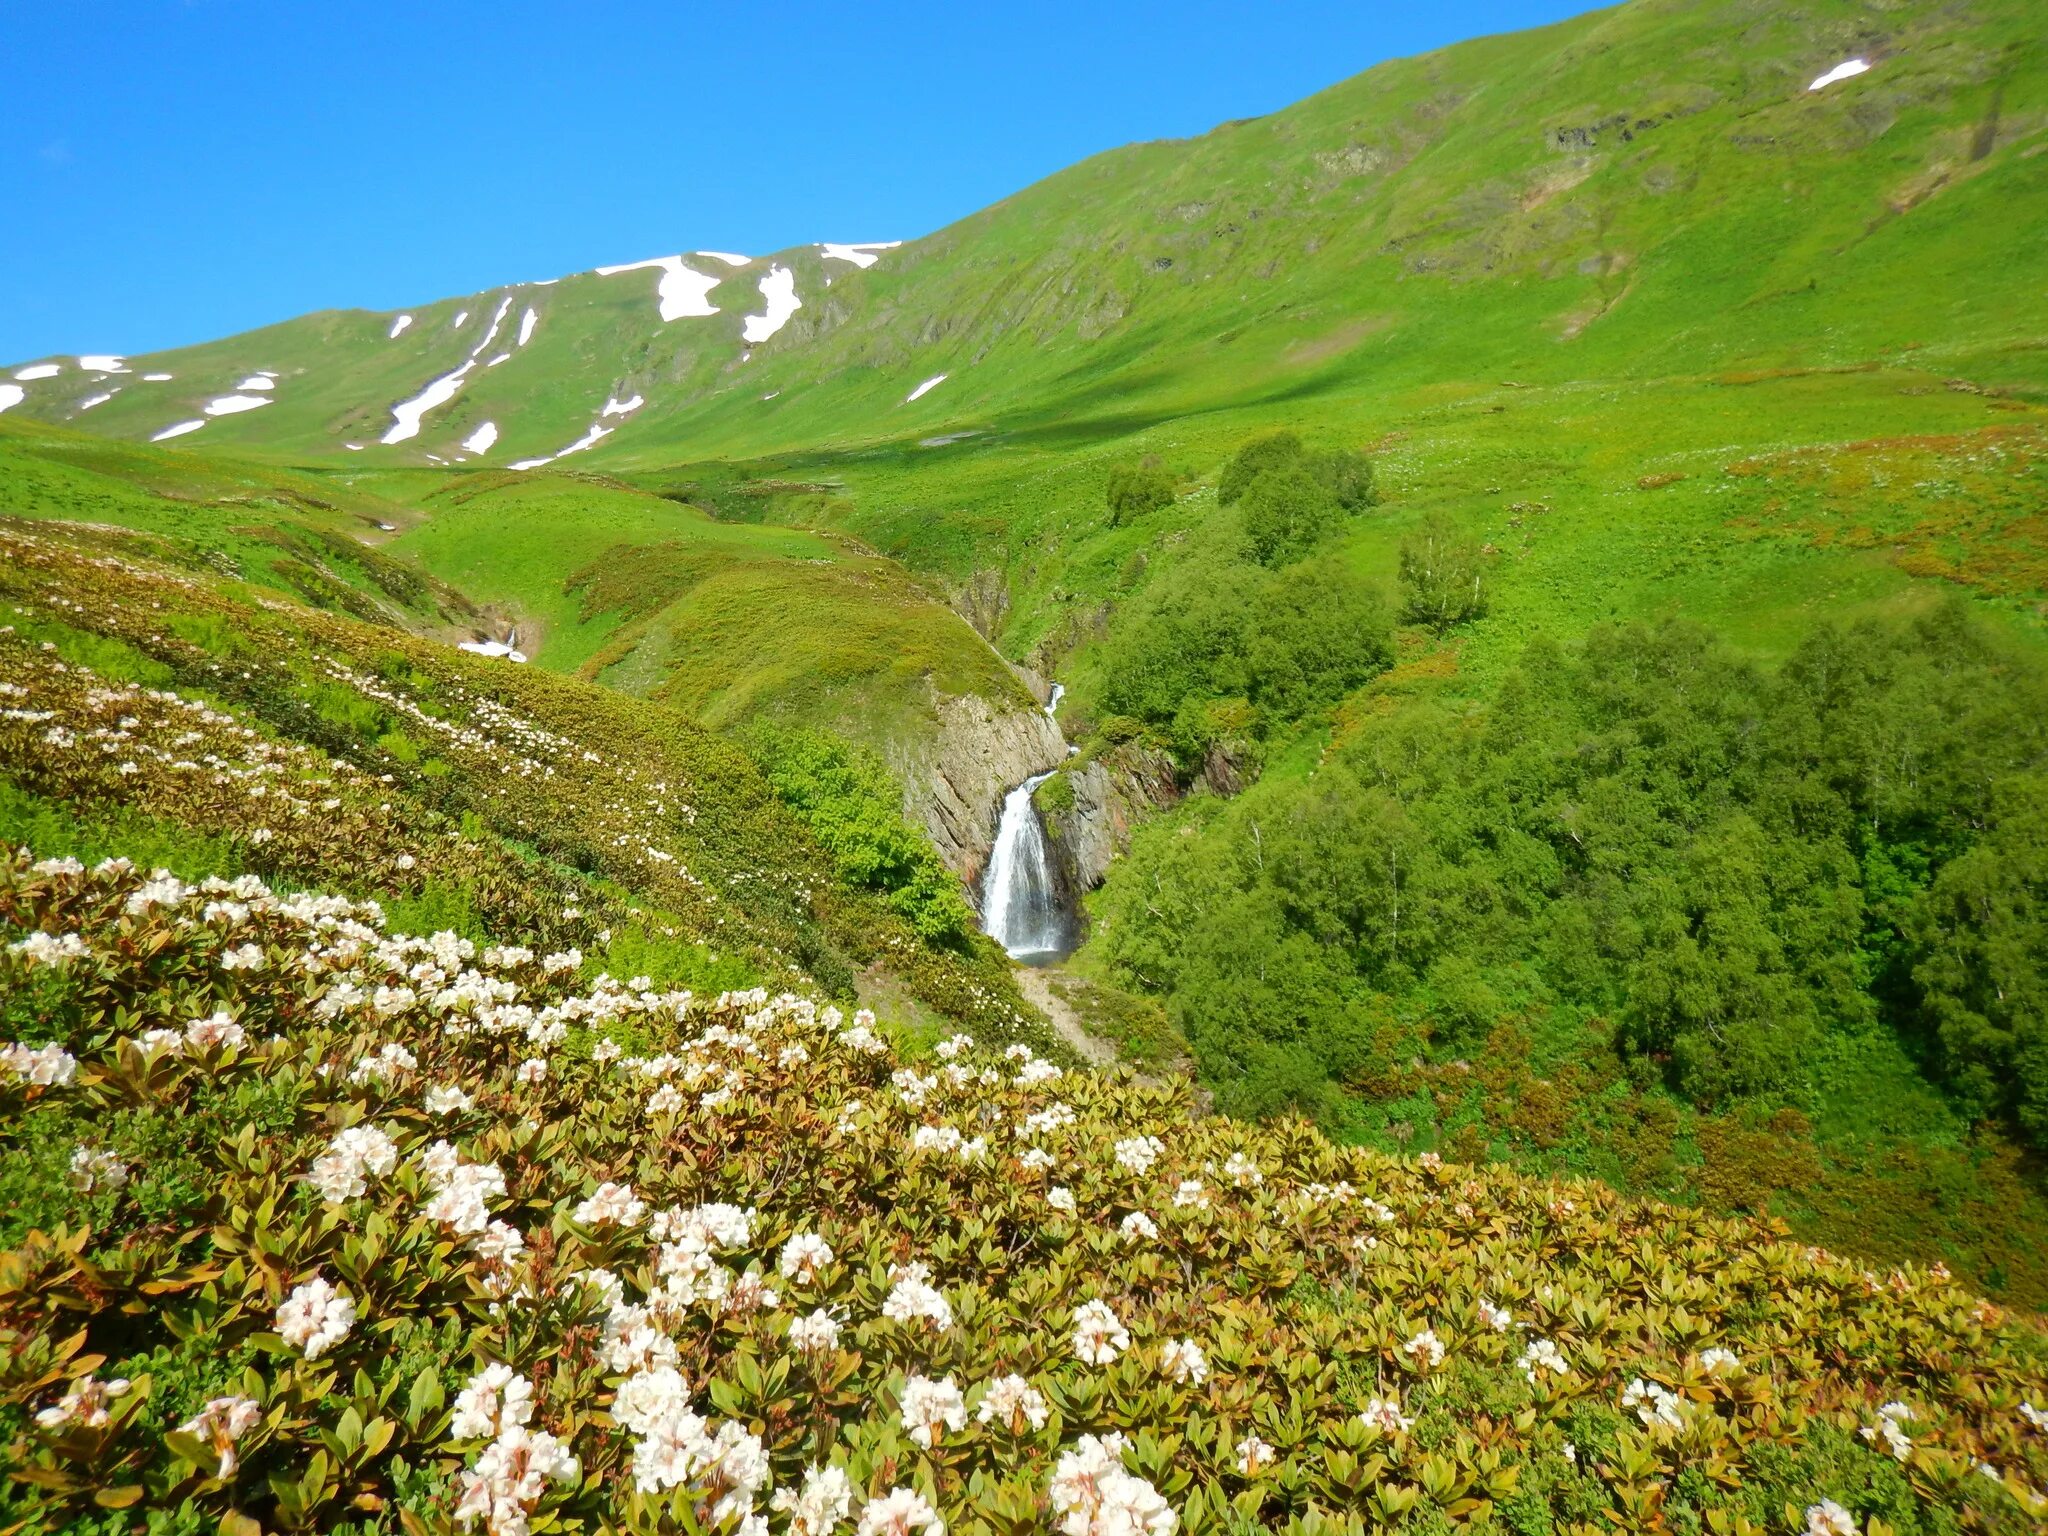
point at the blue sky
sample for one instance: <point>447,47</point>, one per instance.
<point>179,170</point>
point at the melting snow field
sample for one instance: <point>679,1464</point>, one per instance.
<point>862,255</point>
<point>622,407</point>
<point>398,327</point>
<point>233,405</point>
<point>681,292</point>
<point>931,383</point>
<point>88,404</point>
<point>461,319</point>
<point>103,362</point>
<point>527,322</point>
<point>778,289</point>
<point>39,371</point>
<point>407,414</point>
<point>728,258</point>
<point>178,431</point>
<point>11,395</point>
<point>481,439</point>
<point>156,378</point>
<point>1847,69</point>
<point>258,381</point>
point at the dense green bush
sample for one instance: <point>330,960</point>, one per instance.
<point>1733,867</point>
<point>846,796</point>
<point>1443,579</point>
<point>1135,489</point>
<point>1216,628</point>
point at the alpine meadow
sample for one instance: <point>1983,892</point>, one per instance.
<point>1338,827</point>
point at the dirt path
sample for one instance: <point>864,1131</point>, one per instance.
<point>1035,982</point>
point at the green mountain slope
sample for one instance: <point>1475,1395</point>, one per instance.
<point>1638,192</point>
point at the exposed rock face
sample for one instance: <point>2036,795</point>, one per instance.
<point>954,785</point>
<point>1110,795</point>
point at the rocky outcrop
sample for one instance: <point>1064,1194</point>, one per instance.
<point>954,782</point>
<point>1090,810</point>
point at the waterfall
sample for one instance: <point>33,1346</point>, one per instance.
<point>1020,902</point>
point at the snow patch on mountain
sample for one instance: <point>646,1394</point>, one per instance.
<point>682,291</point>
<point>407,415</point>
<point>482,438</point>
<point>461,319</point>
<point>39,371</point>
<point>398,327</point>
<point>156,378</point>
<point>527,322</point>
<point>1846,70</point>
<point>728,258</point>
<point>778,291</point>
<point>178,430</point>
<point>11,395</point>
<point>93,400</point>
<point>233,405</point>
<point>622,407</point>
<point>931,383</point>
<point>103,362</point>
<point>861,254</point>
<point>258,381</point>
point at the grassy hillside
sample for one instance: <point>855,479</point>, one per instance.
<point>615,828</point>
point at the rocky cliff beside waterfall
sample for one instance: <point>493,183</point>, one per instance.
<point>954,782</point>
<point>1090,807</point>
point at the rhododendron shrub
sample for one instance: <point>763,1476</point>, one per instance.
<point>730,1263</point>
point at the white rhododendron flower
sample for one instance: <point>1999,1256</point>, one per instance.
<point>1138,1153</point>
<point>1061,1199</point>
<point>1253,1456</point>
<point>1243,1172</point>
<point>910,1300</point>
<point>1889,1432</point>
<point>1138,1227</point>
<point>1827,1518</point>
<point>96,1168</point>
<point>1014,1404</point>
<point>1716,1360</point>
<point>49,949</point>
<point>220,1424</point>
<point>899,1512</point>
<point>42,1066</point>
<point>1099,1337</point>
<point>315,1318</point>
<point>1541,1355</point>
<point>817,1332</point>
<point>1092,1494</point>
<point>805,1257</point>
<point>612,1205</point>
<point>1425,1351</point>
<point>1653,1404</point>
<point>509,1478</point>
<point>216,1032</point>
<point>1499,1319</point>
<point>1385,1415</point>
<point>494,1399</point>
<point>86,1402</point>
<point>1182,1360</point>
<point>825,1499</point>
<point>931,1408</point>
<point>446,1099</point>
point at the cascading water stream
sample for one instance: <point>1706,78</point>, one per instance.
<point>1020,899</point>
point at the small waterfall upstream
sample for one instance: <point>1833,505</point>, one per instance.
<point>1021,906</point>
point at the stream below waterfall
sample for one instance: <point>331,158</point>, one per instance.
<point>1022,905</point>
